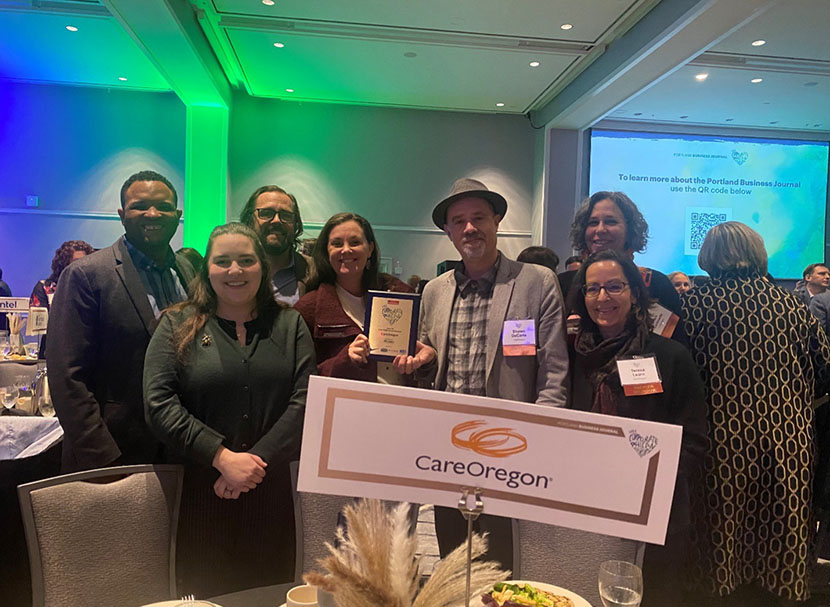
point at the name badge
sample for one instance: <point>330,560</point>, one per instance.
<point>519,338</point>
<point>640,376</point>
<point>664,320</point>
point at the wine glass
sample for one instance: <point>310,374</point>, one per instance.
<point>620,584</point>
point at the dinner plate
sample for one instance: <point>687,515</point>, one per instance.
<point>578,600</point>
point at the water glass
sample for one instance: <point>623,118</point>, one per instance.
<point>620,584</point>
<point>32,348</point>
<point>9,396</point>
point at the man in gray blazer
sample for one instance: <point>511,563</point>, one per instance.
<point>105,309</point>
<point>464,315</point>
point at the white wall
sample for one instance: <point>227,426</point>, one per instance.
<point>390,165</point>
<point>73,147</point>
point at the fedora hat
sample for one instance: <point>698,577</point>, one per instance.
<point>468,188</point>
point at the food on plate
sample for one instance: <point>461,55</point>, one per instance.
<point>522,594</point>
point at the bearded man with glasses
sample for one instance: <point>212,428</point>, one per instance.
<point>274,215</point>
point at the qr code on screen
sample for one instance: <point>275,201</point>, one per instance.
<point>699,220</point>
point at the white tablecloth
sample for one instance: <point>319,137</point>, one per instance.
<point>27,436</point>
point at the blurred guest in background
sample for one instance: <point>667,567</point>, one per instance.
<point>541,256</point>
<point>44,290</point>
<point>347,260</point>
<point>612,302</point>
<point>574,262</point>
<point>413,281</point>
<point>193,256</point>
<point>69,251</point>
<point>816,280</point>
<point>225,384</point>
<point>611,221</point>
<point>104,311</point>
<point>5,291</point>
<point>274,215</point>
<point>763,358</point>
<point>680,281</point>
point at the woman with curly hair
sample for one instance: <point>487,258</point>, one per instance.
<point>71,250</point>
<point>610,221</point>
<point>41,297</point>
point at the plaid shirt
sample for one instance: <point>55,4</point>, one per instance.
<point>467,339</point>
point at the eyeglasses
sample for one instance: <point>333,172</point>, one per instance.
<point>615,287</point>
<point>269,214</point>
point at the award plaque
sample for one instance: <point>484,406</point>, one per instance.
<point>391,324</point>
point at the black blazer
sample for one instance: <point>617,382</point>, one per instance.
<point>99,327</point>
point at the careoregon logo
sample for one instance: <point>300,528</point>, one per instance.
<point>492,442</point>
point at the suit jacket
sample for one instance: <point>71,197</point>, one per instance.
<point>99,327</point>
<point>521,291</point>
<point>820,307</point>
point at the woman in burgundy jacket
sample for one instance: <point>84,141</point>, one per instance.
<point>347,258</point>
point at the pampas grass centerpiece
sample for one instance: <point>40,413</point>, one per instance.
<point>375,564</point>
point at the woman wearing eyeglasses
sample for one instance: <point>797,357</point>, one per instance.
<point>609,295</point>
<point>347,259</point>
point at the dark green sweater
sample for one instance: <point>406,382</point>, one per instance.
<point>248,398</point>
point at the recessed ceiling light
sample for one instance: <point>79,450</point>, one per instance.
<point>410,54</point>
<point>701,77</point>
<point>279,44</point>
<point>268,2</point>
<point>499,104</point>
<point>817,124</point>
<point>774,122</point>
<point>766,102</point>
<point>759,42</point>
<point>729,119</point>
<point>638,113</point>
<point>71,28</point>
<point>810,83</point>
<point>535,64</point>
<point>122,79</point>
<point>289,90</point>
<point>566,26</point>
<point>756,80</point>
<point>684,117</point>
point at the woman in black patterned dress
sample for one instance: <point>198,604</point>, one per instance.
<point>764,359</point>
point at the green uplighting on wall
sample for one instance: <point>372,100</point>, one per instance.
<point>206,173</point>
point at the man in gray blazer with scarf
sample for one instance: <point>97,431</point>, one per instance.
<point>464,314</point>
<point>105,310</point>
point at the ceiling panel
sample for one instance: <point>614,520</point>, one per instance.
<point>386,72</point>
<point>526,18</point>
<point>728,98</point>
<point>796,28</point>
<point>36,47</point>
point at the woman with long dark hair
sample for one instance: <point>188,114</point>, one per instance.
<point>347,261</point>
<point>612,301</point>
<point>225,381</point>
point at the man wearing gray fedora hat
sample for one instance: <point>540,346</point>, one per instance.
<point>493,328</point>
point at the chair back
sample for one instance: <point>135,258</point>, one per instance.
<point>316,518</point>
<point>568,558</point>
<point>315,521</point>
<point>103,537</point>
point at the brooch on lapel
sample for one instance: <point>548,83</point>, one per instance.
<point>206,341</point>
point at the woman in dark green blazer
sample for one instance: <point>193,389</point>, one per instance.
<point>225,381</point>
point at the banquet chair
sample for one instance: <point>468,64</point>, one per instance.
<point>568,558</point>
<point>103,537</point>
